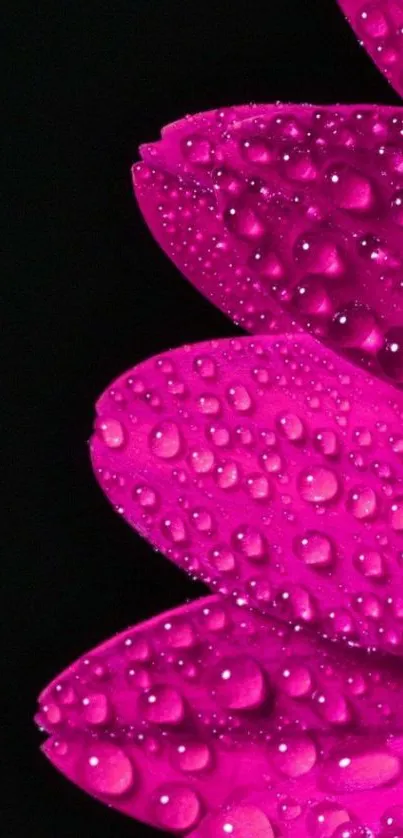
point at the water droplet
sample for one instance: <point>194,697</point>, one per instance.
<point>209,404</point>
<point>251,543</point>
<point>239,684</point>
<point>315,549</point>
<point>370,563</point>
<point>362,503</point>
<point>147,498</point>
<point>227,475</point>
<point>294,755</point>
<point>396,514</point>
<point>291,426</point>
<point>111,432</point>
<point>206,366</point>
<point>96,709</point>
<point>355,326</point>
<point>242,821</point>
<point>295,680</point>
<point>223,559</point>
<point>258,487</point>
<point>165,440</point>
<point>391,355</point>
<point>239,398</point>
<point>107,770</point>
<point>353,769</point>
<point>201,460</point>
<point>191,756</point>
<point>176,807</point>
<point>326,442</point>
<point>163,705</point>
<point>324,818</point>
<point>318,485</point>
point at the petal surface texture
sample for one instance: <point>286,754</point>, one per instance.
<point>288,216</point>
<point>271,469</point>
<point>212,715</point>
<point>378,26</point>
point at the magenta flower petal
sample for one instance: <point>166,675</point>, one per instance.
<point>271,469</point>
<point>212,706</point>
<point>292,216</point>
<point>378,25</point>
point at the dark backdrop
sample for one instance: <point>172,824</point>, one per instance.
<point>89,293</point>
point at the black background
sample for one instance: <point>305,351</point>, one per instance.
<point>89,293</point>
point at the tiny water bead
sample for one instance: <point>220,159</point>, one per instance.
<point>287,505</point>
<point>296,224</point>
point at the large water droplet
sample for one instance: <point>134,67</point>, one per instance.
<point>176,807</point>
<point>362,503</point>
<point>243,821</point>
<point>315,549</point>
<point>163,705</point>
<point>294,755</point>
<point>107,770</point>
<point>353,769</point>
<point>239,684</point>
<point>318,484</point>
<point>111,432</point>
<point>324,818</point>
<point>165,440</point>
<point>251,543</point>
<point>191,756</point>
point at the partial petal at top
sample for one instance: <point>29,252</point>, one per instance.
<point>290,217</point>
<point>270,468</point>
<point>378,25</point>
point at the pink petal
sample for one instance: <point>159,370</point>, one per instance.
<point>272,470</point>
<point>291,216</point>
<point>378,26</point>
<point>211,706</point>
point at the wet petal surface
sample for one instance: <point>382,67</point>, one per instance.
<point>288,216</point>
<point>253,743</point>
<point>378,25</point>
<point>272,470</point>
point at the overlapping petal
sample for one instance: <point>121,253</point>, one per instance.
<point>211,714</point>
<point>288,216</point>
<point>271,469</point>
<point>378,25</point>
